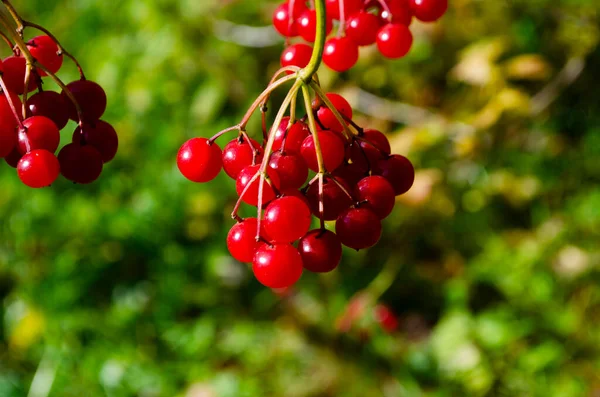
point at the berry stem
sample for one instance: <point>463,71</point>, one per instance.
<point>323,98</point>
<point>28,71</point>
<point>342,26</point>
<point>7,40</point>
<point>261,98</point>
<point>307,73</point>
<point>223,132</point>
<point>10,103</point>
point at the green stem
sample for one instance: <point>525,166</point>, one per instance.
<point>321,33</point>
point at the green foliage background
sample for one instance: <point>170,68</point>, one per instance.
<point>125,288</point>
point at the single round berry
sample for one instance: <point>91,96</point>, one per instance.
<point>399,172</point>
<point>335,200</point>
<point>13,158</point>
<point>291,168</point>
<point>90,97</point>
<point>14,75</point>
<point>80,164</point>
<point>38,168</point>
<point>8,140</point>
<point>399,12</point>
<point>199,160</point>
<point>287,219</point>
<point>350,7</point>
<point>248,176</point>
<point>39,133</point>
<point>284,21</point>
<point>45,51</point>
<point>102,136</point>
<point>332,149</point>
<point>307,25</point>
<point>296,55</point>
<point>362,28</point>
<point>49,104</point>
<point>326,116</point>
<point>358,228</point>
<point>429,10</point>
<point>241,240</point>
<point>340,53</point>
<point>376,194</point>
<point>238,154</point>
<point>290,140</point>
<point>385,318</point>
<point>321,251</point>
<point>394,40</point>
<point>277,266</point>
<point>7,117</point>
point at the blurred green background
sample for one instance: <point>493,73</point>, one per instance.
<point>491,262</point>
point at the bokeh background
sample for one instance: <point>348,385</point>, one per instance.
<point>491,263</point>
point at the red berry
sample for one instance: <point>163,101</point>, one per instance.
<point>386,318</point>
<point>49,104</point>
<point>241,240</point>
<point>90,97</point>
<point>321,251</point>
<point>80,164</point>
<point>293,138</point>
<point>429,10</point>
<point>100,135</point>
<point>350,173</point>
<point>284,21</point>
<point>394,40</point>
<point>14,75</point>
<point>238,154</point>
<point>350,7</point>
<point>326,116</point>
<point>335,200</point>
<point>332,149</point>
<point>296,55</point>
<point>340,54</point>
<point>294,193</point>
<point>8,140</point>
<point>199,160</point>
<point>7,117</point>
<point>399,172</point>
<point>13,158</point>
<point>40,133</point>
<point>45,51</point>
<point>358,228</point>
<point>287,219</point>
<point>251,195</point>
<point>362,28</point>
<point>307,25</point>
<point>277,266</point>
<point>366,151</point>
<point>38,168</point>
<point>291,168</point>
<point>377,194</point>
<point>399,12</point>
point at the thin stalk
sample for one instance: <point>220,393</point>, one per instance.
<point>307,73</point>
<point>261,98</point>
<point>335,112</point>
<point>11,103</point>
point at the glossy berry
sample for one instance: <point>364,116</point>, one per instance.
<point>277,266</point>
<point>350,173</point>
<point>49,104</point>
<point>385,318</point>
<point>376,194</point>
<point>321,251</point>
<point>340,53</point>
<point>399,12</point>
<point>429,10</point>
<point>291,168</point>
<point>368,149</point>
<point>296,55</point>
<point>103,137</point>
<point>199,160</point>
<point>241,240</point>
<point>246,177</point>
<point>14,75</point>
<point>362,28</point>
<point>290,140</point>
<point>358,228</point>
<point>350,7</point>
<point>80,164</point>
<point>45,51</point>
<point>284,21</point>
<point>91,98</point>
<point>39,133</point>
<point>335,200</point>
<point>38,168</point>
<point>394,40</point>
<point>294,193</point>
<point>307,25</point>
<point>287,219</point>
<point>332,148</point>
<point>13,158</point>
<point>326,116</point>
<point>399,171</point>
<point>238,154</point>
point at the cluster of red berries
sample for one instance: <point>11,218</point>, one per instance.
<point>29,143</point>
<point>360,23</point>
<point>355,186</point>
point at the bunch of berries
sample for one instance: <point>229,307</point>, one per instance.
<point>359,23</point>
<point>30,125</point>
<point>322,167</point>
